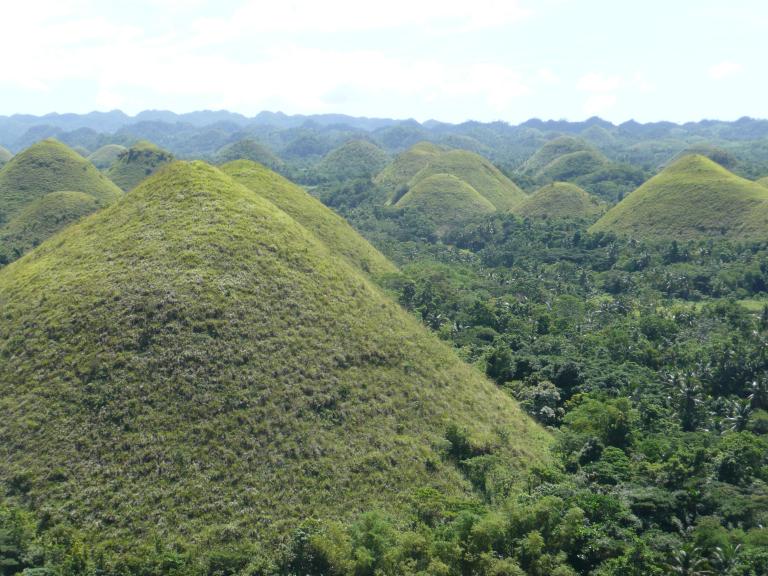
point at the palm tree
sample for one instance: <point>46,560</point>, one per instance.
<point>687,390</point>
<point>738,417</point>
<point>759,393</point>
<point>724,559</point>
<point>688,562</point>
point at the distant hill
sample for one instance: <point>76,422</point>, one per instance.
<point>564,158</point>
<point>560,200</point>
<point>41,219</point>
<point>328,226</point>
<point>5,156</point>
<point>353,160</point>
<point>137,163</point>
<point>106,156</point>
<point>45,167</point>
<point>249,149</point>
<point>399,173</point>
<point>479,173</point>
<point>193,365</point>
<point>692,198</point>
<point>446,200</point>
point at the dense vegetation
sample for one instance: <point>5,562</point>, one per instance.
<point>106,156</point>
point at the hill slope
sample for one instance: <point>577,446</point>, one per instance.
<point>551,151</point>
<point>249,149</point>
<point>692,198</point>
<point>192,363</point>
<point>328,226</point>
<point>137,163</point>
<point>45,167</point>
<point>763,181</point>
<point>560,200</point>
<point>355,159</point>
<point>106,156</point>
<point>41,219</point>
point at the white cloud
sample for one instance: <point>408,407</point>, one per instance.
<point>596,82</point>
<point>547,76</point>
<point>725,69</point>
<point>599,104</point>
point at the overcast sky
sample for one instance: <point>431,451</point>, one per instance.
<point>450,60</point>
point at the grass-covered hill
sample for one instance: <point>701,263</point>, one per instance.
<point>564,158</point>
<point>398,174</point>
<point>45,167</point>
<point>192,364</point>
<point>41,219</point>
<point>479,173</point>
<point>249,149</point>
<point>353,160</point>
<point>446,200</point>
<point>106,156</point>
<point>328,226</point>
<point>763,181</point>
<point>5,156</point>
<point>137,163</point>
<point>560,200</point>
<point>692,198</point>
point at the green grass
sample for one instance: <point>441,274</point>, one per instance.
<point>193,364</point>
<point>763,181</point>
<point>353,160</point>
<point>106,156</point>
<point>137,163</point>
<point>45,167</point>
<point>479,173</point>
<point>398,174</point>
<point>248,149</point>
<point>42,219</point>
<point>560,200</point>
<point>325,224</point>
<point>692,198</point>
<point>447,200</point>
<point>5,156</point>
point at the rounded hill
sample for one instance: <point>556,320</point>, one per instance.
<point>405,166</point>
<point>137,163</point>
<point>106,156</point>
<point>446,200</point>
<point>479,173</point>
<point>249,149</point>
<point>193,364</point>
<point>45,167</point>
<point>353,160</point>
<point>328,226</point>
<point>560,200</point>
<point>41,219</point>
<point>691,198</point>
<point>551,151</point>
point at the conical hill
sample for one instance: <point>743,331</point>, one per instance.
<point>192,360</point>
<point>692,198</point>
<point>45,167</point>
<point>137,163</point>
<point>560,200</point>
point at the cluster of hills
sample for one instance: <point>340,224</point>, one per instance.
<point>209,351</point>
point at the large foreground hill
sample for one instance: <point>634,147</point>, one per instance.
<point>194,363</point>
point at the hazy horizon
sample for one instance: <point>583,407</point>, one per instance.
<point>451,61</point>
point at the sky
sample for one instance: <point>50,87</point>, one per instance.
<point>486,60</point>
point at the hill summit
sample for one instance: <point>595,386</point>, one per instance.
<point>194,363</point>
<point>693,197</point>
<point>249,149</point>
<point>45,167</point>
<point>355,159</point>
